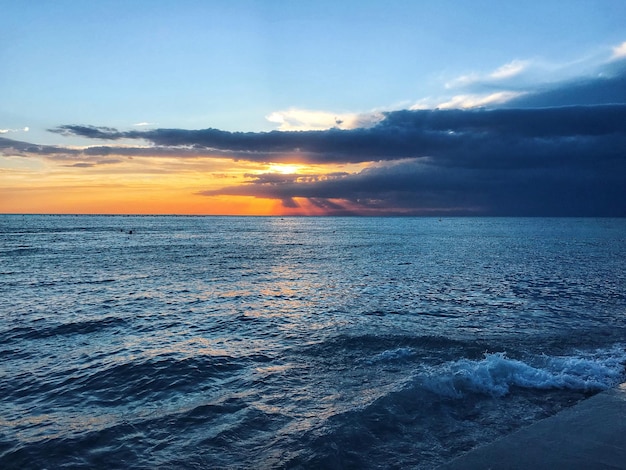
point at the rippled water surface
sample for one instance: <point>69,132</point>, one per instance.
<point>226,342</point>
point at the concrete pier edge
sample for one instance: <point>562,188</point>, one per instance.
<point>590,435</point>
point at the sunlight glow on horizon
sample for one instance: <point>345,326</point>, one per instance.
<point>148,185</point>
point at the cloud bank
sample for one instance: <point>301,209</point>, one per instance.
<point>446,134</point>
<point>559,149</point>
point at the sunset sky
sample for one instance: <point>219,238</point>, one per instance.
<point>485,107</point>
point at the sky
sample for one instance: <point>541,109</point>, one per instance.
<point>412,107</point>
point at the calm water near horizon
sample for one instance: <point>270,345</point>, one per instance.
<point>298,343</point>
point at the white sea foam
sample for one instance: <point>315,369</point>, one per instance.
<point>392,355</point>
<point>496,373</point>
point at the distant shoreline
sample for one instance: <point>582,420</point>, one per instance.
<point>317,216</point>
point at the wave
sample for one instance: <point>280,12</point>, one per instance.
<point>72,328</point>
<point>449,408</point>
<point>21,251</point>
<point>365,344</point>
<point>393,355</point>
<point>496,373</point>
<point>216,435</point>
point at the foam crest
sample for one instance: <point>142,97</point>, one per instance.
<point>392,355</point>
<point>496,373</point>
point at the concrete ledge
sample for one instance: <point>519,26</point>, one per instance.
<point>591,435</point>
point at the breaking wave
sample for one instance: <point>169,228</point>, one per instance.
<point>496,373</point>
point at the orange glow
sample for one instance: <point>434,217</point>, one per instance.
<point>146,185</point>
<point>88,200</point>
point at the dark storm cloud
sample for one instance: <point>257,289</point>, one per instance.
<point>91,132</point>
<point>401,134</point>
<point>565,161</point>
<point>16,147</point>
<point>421,186</point>
<point>25,149</point>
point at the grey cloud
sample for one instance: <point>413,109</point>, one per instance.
<point>82,165</point>
<point>92,132</point>
<point>10,146</point>
<point>423,186</point>
<point>401,134</point>
<point>607,87</point>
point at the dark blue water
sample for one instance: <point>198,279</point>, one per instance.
<point>226,342</point>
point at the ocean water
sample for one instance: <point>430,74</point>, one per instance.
<point>268,342</point>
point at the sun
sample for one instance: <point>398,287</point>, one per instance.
<point>285,168</point>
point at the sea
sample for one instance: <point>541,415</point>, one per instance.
<point>182,342</point>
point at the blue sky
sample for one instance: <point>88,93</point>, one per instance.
<point>110,75</point>
<point>230,65</point>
